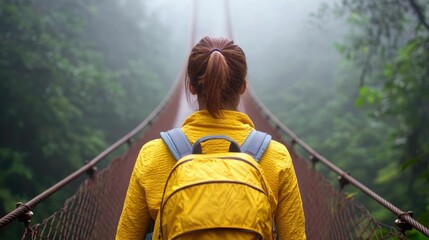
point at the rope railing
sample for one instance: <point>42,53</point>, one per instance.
<point>404,221</point>
<point>24,209</point>
<point>101,221</point>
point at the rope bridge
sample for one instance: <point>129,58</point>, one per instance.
<point>93,211</point>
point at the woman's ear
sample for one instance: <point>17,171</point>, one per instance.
<point>243,88</point>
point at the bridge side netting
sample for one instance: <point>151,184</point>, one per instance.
<point>329,214</point>
<point>94,210</point>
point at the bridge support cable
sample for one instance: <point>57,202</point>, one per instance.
<point>194,24</point>
<point>228,19</point>
<point>94,210</point>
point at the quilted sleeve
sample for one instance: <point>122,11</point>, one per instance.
<point>135,218</point>
<point>290,220</point>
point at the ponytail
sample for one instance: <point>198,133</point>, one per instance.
<point>215,82</point>
<point>216,71</point>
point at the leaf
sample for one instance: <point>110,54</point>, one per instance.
<point>387,174</point>
<point>408,163</point>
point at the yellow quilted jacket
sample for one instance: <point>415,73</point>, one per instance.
<point>155,162</point>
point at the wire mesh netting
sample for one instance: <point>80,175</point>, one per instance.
<point>94,210</point>
<point>329,213</point>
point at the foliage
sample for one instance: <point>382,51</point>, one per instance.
<point>393,53</point>
<point>369,115</point>
<point>71,83</point>
<point>388,44</point>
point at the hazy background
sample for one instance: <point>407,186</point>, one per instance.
<point>285,44</point>
<point>326,69</point>
<point>267,31</point>
<point>349,77</point>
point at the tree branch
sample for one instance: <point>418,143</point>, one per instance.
<point>419,13</point>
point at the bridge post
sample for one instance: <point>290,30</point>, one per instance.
<point>91,171</point>
<point>25,216</point>
<point>293,142</point>
<point>314,160</point>
<point>130,141</point>
<point>403,225</point>
<point>343,180</point>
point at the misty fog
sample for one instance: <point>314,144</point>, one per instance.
<point>266,30</point>
<point>79,75</point>
<point>290,53</point>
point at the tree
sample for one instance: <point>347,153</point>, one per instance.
<point>389,44</point>
<point>65,97</point>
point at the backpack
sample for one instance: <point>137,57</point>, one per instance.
<point>216,195</point>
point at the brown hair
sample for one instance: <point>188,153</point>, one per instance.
<point>216,70</point>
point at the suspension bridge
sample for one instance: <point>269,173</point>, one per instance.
<point>93,211</point>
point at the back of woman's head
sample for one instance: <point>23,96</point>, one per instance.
<point>216,72</point>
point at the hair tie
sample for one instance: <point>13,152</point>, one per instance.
<point>215,49</point>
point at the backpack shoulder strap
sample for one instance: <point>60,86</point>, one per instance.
<point>177,143</point>
<point>256,144</point>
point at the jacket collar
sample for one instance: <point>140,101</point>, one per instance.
<point>230,120</point>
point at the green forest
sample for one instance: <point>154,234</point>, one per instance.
<point>73,81</point>
<point>365,109</point>
<point>77,75</point>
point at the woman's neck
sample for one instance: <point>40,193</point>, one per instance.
<point>202,105</point>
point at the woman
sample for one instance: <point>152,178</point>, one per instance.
<point>216,75</point>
